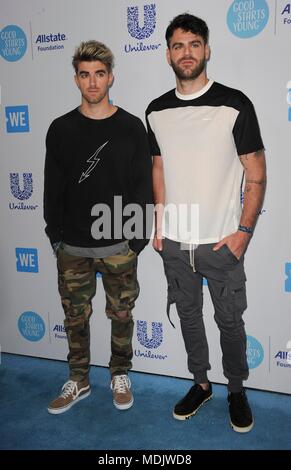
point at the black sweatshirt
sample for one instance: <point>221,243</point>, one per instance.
<point>88,162</point>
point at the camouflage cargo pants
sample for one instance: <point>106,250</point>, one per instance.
<point>77,287</point>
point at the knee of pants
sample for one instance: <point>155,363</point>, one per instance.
<point>122,315</point>
<point>120,301</point>
<point>76,312</point>
<point>174,295</point>
<point>76,322</point>
<point>187,304</point>
<point>76,295</point>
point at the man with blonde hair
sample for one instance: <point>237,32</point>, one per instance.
<point>96,153</point>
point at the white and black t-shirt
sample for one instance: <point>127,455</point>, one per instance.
<point>200,137</point>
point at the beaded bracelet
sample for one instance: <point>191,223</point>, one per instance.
<point>243,228</point>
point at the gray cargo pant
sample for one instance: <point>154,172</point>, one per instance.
<point>226,281</point>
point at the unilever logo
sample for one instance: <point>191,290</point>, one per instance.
<point>255,352</point>
<point>157,334</point>
<point>137,31</point>
<point>149,342</point>
<point>289,99</point>
<point>13,43</point>
<point>247,18</point>
<point>149,22</point>
<point>26,190</point>
<point>31,326</point>
<point>21,188</point>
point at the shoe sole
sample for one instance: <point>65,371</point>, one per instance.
<point>242,430</point>
<point>184,417</point>
<point>58,411</point>
<point>124,406</point>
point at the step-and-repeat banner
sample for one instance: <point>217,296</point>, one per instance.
<point>250,42</point>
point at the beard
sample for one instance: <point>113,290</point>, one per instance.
<point>94,98</point>
<point>189,73</point>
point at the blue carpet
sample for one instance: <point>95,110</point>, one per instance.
<point>27,385</point>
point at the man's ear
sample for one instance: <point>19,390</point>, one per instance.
<point>111,79</point>
<point>168,56</point>
<point>76,80</point>
<point>207,52</point>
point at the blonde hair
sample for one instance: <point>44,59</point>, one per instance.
<point>90,51</point>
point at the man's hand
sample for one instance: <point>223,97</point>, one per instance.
<point>158,241</point>
<point>56,247</point>
<point>237,243</point>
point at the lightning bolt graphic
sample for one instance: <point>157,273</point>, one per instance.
<point>93,160</point>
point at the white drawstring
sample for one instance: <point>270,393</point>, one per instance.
<point>192,256</point>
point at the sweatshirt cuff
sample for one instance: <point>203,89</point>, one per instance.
<point>137,245</point>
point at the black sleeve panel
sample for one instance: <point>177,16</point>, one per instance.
<point>54,184</point>
<point>142,187</point>
<point>246,130</point>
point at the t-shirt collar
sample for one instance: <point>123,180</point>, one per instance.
<point>192,96</point>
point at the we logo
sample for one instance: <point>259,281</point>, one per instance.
<point>288,280</point>
<point>17,119</point>
<point>26,260</point>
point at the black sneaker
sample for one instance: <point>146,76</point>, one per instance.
<point>241,418</point>
<point>190,404</point>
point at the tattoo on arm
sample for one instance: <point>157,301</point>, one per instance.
<point>245,158</point>
<point>263,182</point>
<point>257,154</point>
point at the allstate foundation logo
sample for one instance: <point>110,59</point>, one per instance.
<point>21,187</point>
<point>255,352</point>
<point>288,278</point>
<point>286,14</point>
<point>59,332</point>
<point>13,43</point>
<point>31,326</point>
<point>289,100</point>
<point>247,18</point>
<point>17,118</point>
<point>141,32</point>
<point>149,342</point>
<point>50,42</point>
<point>283,358</point>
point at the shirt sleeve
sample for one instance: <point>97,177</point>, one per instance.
<point>154,147</point>
<point>53,186</point>
<point>246,130</point>
<point>142,187</point>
